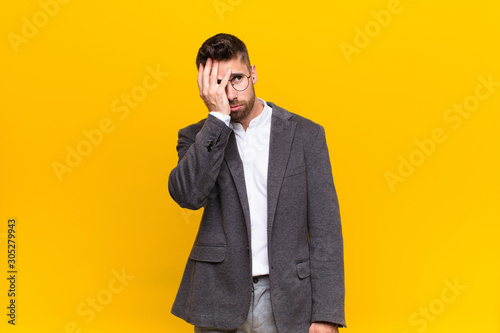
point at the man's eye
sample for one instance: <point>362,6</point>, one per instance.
<point>237,78</point>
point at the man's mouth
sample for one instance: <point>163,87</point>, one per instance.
<point>235,107</point>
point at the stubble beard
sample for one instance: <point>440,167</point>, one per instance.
<point>247,106</point>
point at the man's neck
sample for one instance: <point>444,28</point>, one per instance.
<point>256,111</point>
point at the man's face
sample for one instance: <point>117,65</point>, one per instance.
<point>241,102</point>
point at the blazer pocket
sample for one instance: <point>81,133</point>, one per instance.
<point>303,269</point>
<point>295,171</point>
<point>208,253</point>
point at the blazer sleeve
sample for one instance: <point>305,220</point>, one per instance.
<point>325,235</point>
<point>201,152</point>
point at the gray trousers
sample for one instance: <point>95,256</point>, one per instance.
<point>260,316</point>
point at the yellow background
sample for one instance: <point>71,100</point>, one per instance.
<point>113,211</point>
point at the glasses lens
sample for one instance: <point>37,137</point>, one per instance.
<point>240,82</point>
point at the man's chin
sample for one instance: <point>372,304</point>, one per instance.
<point>234,117</point>
<point>237,115</point>
<point>242,112</point>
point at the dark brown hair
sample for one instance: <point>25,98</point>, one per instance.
<point>222,47</point>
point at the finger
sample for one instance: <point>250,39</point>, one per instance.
<point>225,80</point>
<point>206,74</point>
<point>215,72</point>
<point>200,76</point>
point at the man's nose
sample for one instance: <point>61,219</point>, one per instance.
<point>231,92</point>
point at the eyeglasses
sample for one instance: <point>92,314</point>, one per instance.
<point>239,82</point>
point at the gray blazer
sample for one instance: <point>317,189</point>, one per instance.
<point>305,243</point>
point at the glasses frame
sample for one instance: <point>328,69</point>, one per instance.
<point>248,84</point>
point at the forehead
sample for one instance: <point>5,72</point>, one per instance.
<point>237,66</point>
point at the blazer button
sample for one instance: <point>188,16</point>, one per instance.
<point>210,144</point>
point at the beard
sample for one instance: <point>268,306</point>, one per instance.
<point>246,107</point>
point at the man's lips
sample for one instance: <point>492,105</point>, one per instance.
<point>235,107</point>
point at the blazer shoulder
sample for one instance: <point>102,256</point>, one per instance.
<point>304,125</point>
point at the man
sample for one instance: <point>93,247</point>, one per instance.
<point>268,256</point>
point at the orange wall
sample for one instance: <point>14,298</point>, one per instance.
<point>92,94</point>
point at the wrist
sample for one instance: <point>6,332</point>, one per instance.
<point>224,117</point>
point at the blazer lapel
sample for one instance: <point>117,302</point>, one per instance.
<point>282,132</point>
<point>233,160</point>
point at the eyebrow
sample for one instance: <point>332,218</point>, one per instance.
<point>231,77</point>
<point>235,74</point>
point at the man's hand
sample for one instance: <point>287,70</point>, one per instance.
<point>323,328</point>
<point>213,94</point>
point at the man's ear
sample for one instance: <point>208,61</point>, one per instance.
<point>253,75</point>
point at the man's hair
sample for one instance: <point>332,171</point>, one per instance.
<point>222,47</point>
